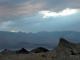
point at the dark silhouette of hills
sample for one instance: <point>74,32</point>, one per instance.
<point>7,51</point>
<point>39,50</point>
<point>65,50</point>
<point>22,51</point>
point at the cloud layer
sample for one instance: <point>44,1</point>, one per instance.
<point>26,7</point>
<point>22,15</point>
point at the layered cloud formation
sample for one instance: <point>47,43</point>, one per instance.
<point>26,15</point>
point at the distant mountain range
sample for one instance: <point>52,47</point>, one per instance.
<point>15,40</point>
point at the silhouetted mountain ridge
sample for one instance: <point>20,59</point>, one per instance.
<point>32,40</point>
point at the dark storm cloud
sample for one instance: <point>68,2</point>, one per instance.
<point>10,8</point>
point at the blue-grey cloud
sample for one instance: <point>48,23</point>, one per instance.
<point>22,15</point>
<point>37,24</point>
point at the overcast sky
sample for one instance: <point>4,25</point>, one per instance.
<point>39,15</point>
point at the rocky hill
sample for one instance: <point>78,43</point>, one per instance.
<point>67,50</point>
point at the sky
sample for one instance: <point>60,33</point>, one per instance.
<point>39,15</point>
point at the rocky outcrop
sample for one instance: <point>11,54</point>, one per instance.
<point>67,50</point>
<point>70,48</point>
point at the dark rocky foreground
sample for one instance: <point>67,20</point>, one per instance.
<point>64,51</point>
<point>67,51</point>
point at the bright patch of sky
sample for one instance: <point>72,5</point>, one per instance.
<point>65,12</point>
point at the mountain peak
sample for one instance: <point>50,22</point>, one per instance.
<point>65,43</point>
<point>62,40</point>
<point>23,51</point>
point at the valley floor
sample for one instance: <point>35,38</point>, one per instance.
<point>35,56</point>
<point>38,56</point>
